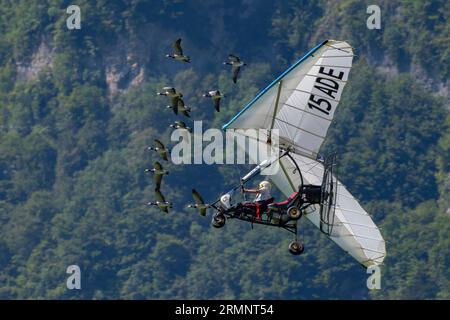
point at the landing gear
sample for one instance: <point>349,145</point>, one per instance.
<point>296,248</point>
<point>218,220</point>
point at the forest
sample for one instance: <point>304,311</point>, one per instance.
<point>78,109</point>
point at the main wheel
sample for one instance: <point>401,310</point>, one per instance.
<point>294,213</point>
<point>296,248</point>
<point>218,221</point>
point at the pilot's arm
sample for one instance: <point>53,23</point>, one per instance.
<point>250,190</point>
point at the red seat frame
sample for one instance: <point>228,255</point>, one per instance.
<point>285,202</point>
<point>259,206</point>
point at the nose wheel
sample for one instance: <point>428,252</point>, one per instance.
<point>296,248</point>
<point>218,220</point>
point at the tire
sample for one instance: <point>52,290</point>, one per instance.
<point>296,248</point>
<point>218,221</point>
<point>294,213</point>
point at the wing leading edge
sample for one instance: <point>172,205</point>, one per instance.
<point>301,102</point>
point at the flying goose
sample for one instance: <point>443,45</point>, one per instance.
<point>161,149</point>
<point>180,125</point>
<point>199,203</point>
<point>158,173</point>
<point>181,107</point>
<point>174,97</point>
<point>237,63</point>
<point>160,202</point>
<point>216,96</point>
<point>178,52</point>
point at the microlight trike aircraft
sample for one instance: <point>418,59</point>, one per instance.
<point>300,104</point>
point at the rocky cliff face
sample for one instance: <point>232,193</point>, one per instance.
<point>41,59</point>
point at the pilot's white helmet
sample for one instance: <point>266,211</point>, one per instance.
<point>264,184</point>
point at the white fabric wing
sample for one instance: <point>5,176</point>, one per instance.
<point>301,102</point>
<point>353,229</point>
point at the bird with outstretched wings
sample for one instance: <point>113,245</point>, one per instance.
<point>182,108</point>
<point>174,102</point>
<point>200,205</point>
<point>177,47</point>
<point>158,173</point>
<point>161,149</point>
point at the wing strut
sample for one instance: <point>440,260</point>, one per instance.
<point>275,110</point>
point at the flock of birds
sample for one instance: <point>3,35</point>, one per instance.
<point>178,107</point>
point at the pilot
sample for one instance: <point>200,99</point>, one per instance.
<point>263,197</point>
<point>263,191</point>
